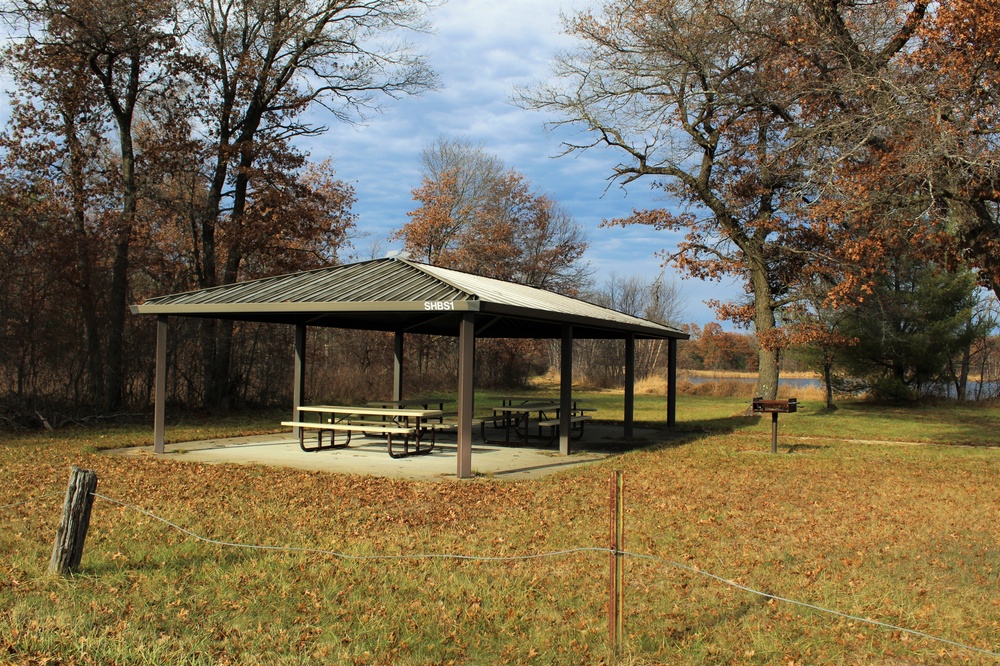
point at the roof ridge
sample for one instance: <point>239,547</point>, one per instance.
<point>506,284</point>
<point>422,267</point>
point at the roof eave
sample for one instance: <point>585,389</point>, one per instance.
<point>650,330</point>
<point>204,309</point>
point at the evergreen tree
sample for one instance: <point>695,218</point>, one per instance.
<point>908,328</point>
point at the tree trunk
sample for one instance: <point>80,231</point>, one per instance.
<point>95,365</point>
<point>828,383</point>
<point>118,292</point>
<point>222,382</point>
<point>114,389</point>
<point>963,373</point>
<point>83,244</point>
<point>208,332</point>
<point>765,325</point>
<point>208,275</point>
<point>218,366</point>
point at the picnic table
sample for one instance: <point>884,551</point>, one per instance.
<point>517,419</point>
<point>423,403</point>
<point>347,420</point>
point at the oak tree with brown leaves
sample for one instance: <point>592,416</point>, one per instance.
<point>476,215</point>
<point>263,64</point>
<point>914,133</point>
<point>739,112</point>
<point>123,47</point>
<point>210,188</point>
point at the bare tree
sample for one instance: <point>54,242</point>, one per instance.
<point>700,97</point>
<point>475,171</point>
<point>265,64</point>
<point>660,300</point>
<point>125,47</point>
<point>477,215</point>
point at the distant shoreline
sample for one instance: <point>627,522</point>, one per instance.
<point>733,374</point>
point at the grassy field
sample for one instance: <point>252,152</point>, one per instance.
<point>888,513</point>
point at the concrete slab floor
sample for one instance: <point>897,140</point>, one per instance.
<point>367,455</point>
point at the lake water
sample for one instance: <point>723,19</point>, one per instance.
<point>795,382</point>
<point>989,389</point>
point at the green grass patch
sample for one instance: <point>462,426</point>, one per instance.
<point>903,534</point>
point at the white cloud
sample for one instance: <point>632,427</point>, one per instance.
<point>482,50</point>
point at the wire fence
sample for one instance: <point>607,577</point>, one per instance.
<point>4,507</point>
<point>520,558</point>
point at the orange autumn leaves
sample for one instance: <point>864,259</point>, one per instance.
<point>803,146</point>
<point>505,231</point>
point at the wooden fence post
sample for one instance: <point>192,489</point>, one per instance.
<point>68,548</point>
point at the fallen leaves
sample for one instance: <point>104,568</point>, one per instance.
<point>815,529</point>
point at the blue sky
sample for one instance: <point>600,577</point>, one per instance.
<point>482,50</point>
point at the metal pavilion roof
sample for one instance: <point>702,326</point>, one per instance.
<point>395,294</point>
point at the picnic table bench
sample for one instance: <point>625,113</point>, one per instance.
<point>576,425</point>
<point>406,423</point>
<point>516,418</point>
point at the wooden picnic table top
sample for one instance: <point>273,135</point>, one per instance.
<point>540,406</point>
<point>510,400</point>
<point>371,411</point>
<point>531,405</point>
<point>414,430</point>
<point>527,406</point>
<point>408,402</point>
<point>507,400</point>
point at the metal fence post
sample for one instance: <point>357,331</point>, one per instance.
<point>617,591</point>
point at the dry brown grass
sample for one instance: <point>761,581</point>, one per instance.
<point>902,534</point>
<point>726,386</point>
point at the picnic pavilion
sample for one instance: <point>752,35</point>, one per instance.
<point>402,296</point>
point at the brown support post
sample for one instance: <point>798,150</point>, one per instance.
<point>629,386</point>
<point>67,551</point>
<point>671,382</point>
<point>565,389</point>
<point>160,385</point>
<point>397,367</point>
<point>299,374</point>
<point>466,357</point>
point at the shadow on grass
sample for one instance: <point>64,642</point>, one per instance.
<point>707,622</point>
<point>805,448</point>
<point>652,435</point>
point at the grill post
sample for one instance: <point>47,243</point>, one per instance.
<point>775,407</point>
<point>774,432</point>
